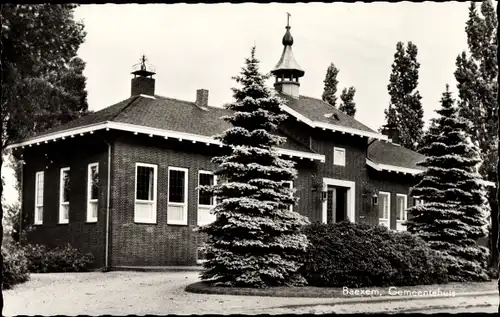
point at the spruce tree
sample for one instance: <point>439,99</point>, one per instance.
<point>348,106</point>
<point>455,210</point>
<point>331,82</point>
<point>477,84</point>
<point>404,97</point>
<point>256,240</point>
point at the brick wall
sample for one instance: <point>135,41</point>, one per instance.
<point>77,154</point>
<point>162,243</point>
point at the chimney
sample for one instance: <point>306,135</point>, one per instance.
<point>202,98</point>
<point>143,82</point>
<point>392,133</point>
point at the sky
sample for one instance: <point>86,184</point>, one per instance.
<point>195,46</point>
<point>204,45</point>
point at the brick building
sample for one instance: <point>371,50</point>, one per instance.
<point>122,182</point>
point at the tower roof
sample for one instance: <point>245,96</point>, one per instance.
<point>287,62</point>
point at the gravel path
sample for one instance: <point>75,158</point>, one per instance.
<point>123,293</point>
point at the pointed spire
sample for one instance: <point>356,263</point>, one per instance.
<point>287,38</point>
<point>287,71</point>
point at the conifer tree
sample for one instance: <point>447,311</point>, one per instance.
<point>331,82</point>
<point>348,106</point>
<point>404,97</point>
<point>477,84</point>
<point>256,240</point>
<point>455,210</point>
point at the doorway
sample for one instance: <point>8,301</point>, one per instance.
<point>339,201</point>
<point>336,205</point>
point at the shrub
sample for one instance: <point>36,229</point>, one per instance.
<point>360,255</point>
<point>61,259</point>
<point>15,265</point>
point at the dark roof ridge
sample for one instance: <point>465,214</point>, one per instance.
<point>131,101</point>
<point>190,102</point>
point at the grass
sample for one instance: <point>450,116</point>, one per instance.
<point>336,292</point>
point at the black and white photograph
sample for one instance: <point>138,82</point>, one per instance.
<point>250,158</point>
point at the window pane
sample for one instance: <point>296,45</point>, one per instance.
<point>39,189</point>
<point>144,182</point>
<point>94,185</point>
<point>176,186</point>
<point>383,207</point>
<point>339,157</point>
<point>401,208</point>
<point>66,186</point>
<point>205,198</point>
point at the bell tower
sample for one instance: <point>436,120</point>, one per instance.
<point>287,72</point>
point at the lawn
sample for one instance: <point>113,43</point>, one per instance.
<point>333,292</point>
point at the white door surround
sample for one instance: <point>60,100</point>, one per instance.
<point>351,197</point>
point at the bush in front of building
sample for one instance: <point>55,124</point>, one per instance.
<point>15,265</point>
<point>60,259</point>
<point>361,255</point>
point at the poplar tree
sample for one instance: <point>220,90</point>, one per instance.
<point>455,210</point>
<point>331,82</point>
<point>407,112</point>
<point>348,106</point>
<point>255,240</point>
<point>477,83</point>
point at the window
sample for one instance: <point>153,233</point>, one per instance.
<point>417,201</point>
<point>201,255</point>
<point>338,156</point>
<point>177,196</point>
<point>39,179</point>
<point>384,209</point>
<point>64,191</point>
<point>289,184</point>
<point>145,193</point>
<point>205,201</point>
<point>92,192</point>
<point>401,214</point>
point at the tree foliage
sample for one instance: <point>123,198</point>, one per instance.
<point>256,239</point>
<point>406,109</point>
<point>331,82</point>
<point>477,83</point>
<point>348,106</point>
<point>455,210</point>
<point>42,80</point>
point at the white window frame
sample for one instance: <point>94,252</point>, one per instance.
<point>388,219</point>
<point>399,223</point>
<point>153,202</point>
<point>89,193</point>
<point>335,149</point>
<point>198,260</point>
<point>291,187</point>
<point>418,201</point>
<point>38,206</point>
<point>201,206</point>
<point>61,194</point>
<point>184,204</point>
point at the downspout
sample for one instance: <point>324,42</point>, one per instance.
<point>21,191</point>
<point>108,191</point>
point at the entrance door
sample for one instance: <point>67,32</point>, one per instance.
<point>336,205</point>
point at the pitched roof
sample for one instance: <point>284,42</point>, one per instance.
<point>387,153</point>
<point>318,110</point>
<point>166,114</point>
<point>186,117</point>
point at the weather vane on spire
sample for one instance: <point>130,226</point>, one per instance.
<point>143,62</point>
<point>288,15</point>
